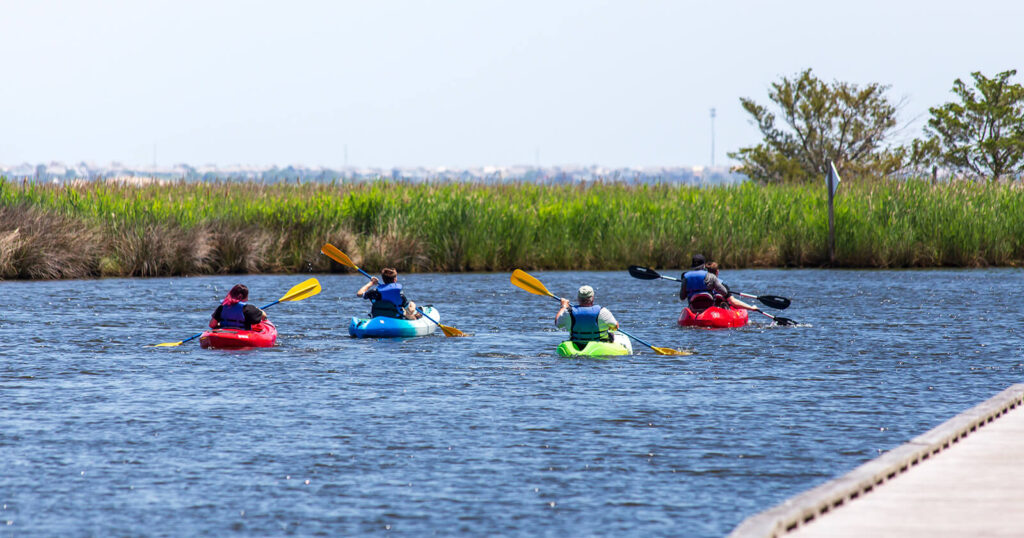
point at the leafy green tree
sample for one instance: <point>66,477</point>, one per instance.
<point>983,134</point>
<point>821,122</point>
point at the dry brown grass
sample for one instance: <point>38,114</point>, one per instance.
<point>395,247</point>
<point>159,249</point>
<point>41,244</point>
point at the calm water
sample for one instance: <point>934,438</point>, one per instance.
<point>489,435</point>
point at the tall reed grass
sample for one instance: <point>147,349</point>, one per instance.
<point>110,228</point>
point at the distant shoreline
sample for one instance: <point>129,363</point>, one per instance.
<point>105,228</point>
<point>63,173</point>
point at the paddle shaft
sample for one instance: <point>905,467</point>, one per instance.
<point>635,338</point>
<point>420,310</point>
<point>190,338</point>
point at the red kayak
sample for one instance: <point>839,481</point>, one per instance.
<point>714,318</point>
<point>263,334</point>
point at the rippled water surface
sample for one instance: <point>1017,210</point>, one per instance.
<point>488,435</point>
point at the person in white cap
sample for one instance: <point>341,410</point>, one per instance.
<point>585,321</point>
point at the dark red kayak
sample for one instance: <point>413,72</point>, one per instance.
<point>262,335</point>
<point>714,318</point>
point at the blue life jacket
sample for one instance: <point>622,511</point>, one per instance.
<point>390,304</point>
<point>697,293</point>
<point>233,316</point>
<point>585,326</point>
<point>695,284</point>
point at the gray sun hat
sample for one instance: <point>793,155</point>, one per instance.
<point>585,293</point>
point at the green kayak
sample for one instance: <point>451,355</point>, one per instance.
<point>619,345</point>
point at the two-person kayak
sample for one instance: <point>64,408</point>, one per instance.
<point>384,327</point>
<point>714,318</point>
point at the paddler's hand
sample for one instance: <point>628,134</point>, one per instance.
<point>374,280</point>
<point>263,316</point>
<point>564,305</point>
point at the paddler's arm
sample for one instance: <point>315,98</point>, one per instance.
<point>366,287</point>
<point>253,314</point>
<point>213,319</point>
<point>607,320</point>
<point>561,311</point>
<point>410,310</point>
<point>740,304</point>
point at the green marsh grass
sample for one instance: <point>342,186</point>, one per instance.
<point>117,229</point>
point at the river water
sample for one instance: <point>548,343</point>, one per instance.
<point>487,435</point>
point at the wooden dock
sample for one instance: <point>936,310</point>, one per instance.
<point>963,478</point>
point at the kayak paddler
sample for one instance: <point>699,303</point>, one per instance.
<point>700,286</point>
<point>712,268</point>
<point>585,321</point>
<point>235,313</point>
<point>388,299</point>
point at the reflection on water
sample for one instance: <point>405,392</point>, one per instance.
<point>486,435</point>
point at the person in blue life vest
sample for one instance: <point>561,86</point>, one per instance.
<point>700,287</point>
<point>388,299</point>
<point>585,321</point>
<point>235,313</point>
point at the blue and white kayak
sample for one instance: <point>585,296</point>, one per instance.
<point>381,327</point>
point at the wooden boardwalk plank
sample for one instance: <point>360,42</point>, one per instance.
<point>963,478</point>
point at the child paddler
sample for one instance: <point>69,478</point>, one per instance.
<point>586,321</point>
<point>727,299</point>
<point>234,312</point>
<point>388,299</point>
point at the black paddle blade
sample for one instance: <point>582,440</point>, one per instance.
<point>784,321</point>
<point>774,301</point>
<point>643,273</point>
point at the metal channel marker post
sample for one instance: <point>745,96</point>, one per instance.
<point>832,183</point>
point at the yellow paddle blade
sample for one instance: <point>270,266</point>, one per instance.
<point>451,331</point>
<point>168,344</point>
<point>524,280</point>
<point>670,351</point>
<point>302,291</point>
<point>333,253</point>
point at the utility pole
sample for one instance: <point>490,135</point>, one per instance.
<point>712,137</point>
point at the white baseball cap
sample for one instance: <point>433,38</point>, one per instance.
<point>585,293</point>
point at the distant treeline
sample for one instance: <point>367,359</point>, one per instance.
<point>114,229</point>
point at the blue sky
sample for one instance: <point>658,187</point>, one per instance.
<point>455,83</point>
